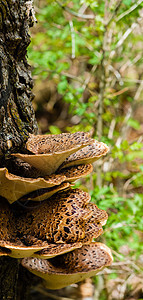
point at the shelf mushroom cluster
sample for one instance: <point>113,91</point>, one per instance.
<point>46,223</point>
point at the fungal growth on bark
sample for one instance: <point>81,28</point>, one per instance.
<point>48,152</point>
<point>88,154</point>
<point>44,222</point>
<point>48,218</point>
<point>71,267</point>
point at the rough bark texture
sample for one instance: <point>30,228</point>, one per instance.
<point>17,117</point>
<point>8,278</point>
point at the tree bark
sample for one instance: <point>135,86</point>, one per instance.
<point>17,118</point>
<point>8,278</point>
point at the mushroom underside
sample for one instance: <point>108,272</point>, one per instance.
<point>14,187</point>
<point>71,267</point>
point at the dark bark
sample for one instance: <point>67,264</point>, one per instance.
<point>8,278</point>
<point>17,117</point>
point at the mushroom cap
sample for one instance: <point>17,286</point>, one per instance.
<point>13,187</point>
<point>10,243</point>
<point>50,151</point>
<point>56,249</point>
<point>71,267</point>
<point>75,172</point>
<point>64,218</point>
<point>52,143</point>
<point>88,154</point>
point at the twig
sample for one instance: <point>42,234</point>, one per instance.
<point>127,12</point>
<point>126,34</point>
<point>83,8</point>
<point>111,129</point>
<point>124,127</point>
<point>124,286</point>
<point>89,77</point>
<point>114,13</point>
<point>72,38</point>
<point>138,92</point>
<point>130,63</point>
<point>117,74</point>
<point>99,287</point>
<point>91,17</point>
<point>120,92</point>
<point>131,80</point>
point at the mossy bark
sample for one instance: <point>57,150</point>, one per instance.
<point>17,118</point>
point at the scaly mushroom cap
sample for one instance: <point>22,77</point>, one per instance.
<point>75,172</point>
<point>64,218</point>
<point>52,143</point>
<point>71,267</point>
<point>56,249</point>
<point>12,245</point>
<point>13,187</point>
<point>88,154</point>
<point>50,151</point>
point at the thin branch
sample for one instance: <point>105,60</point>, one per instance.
<point>127,183</point>
<point>111,129</point>
<point>126,34</point>
<point>127,12</point>
<point>72,38</point>
<point>78,15</point>
<point>138,92</point>
<point>114,13</point>
<point>119,92</point>
<point>87,80</point>
<point>130,63</point>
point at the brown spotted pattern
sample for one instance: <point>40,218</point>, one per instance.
<point>75,172</point>
<point>88,154</point>
<point>65,217</point>
<point>86,259</point>
<point>39,144</point>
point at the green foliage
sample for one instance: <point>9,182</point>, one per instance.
<point>94,62</point>
<point>125,218</point>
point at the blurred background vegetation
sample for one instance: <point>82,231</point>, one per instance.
<point>87,64</point>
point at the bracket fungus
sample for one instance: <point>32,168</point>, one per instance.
<point>67,221</point>
<point>13,187</point>
<point>87,155</point>
<point>46,223</point>
<point>71,267</point>
<point>50,151</point>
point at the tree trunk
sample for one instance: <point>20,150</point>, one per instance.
<point>17,117</point>
<point>8,278</point>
